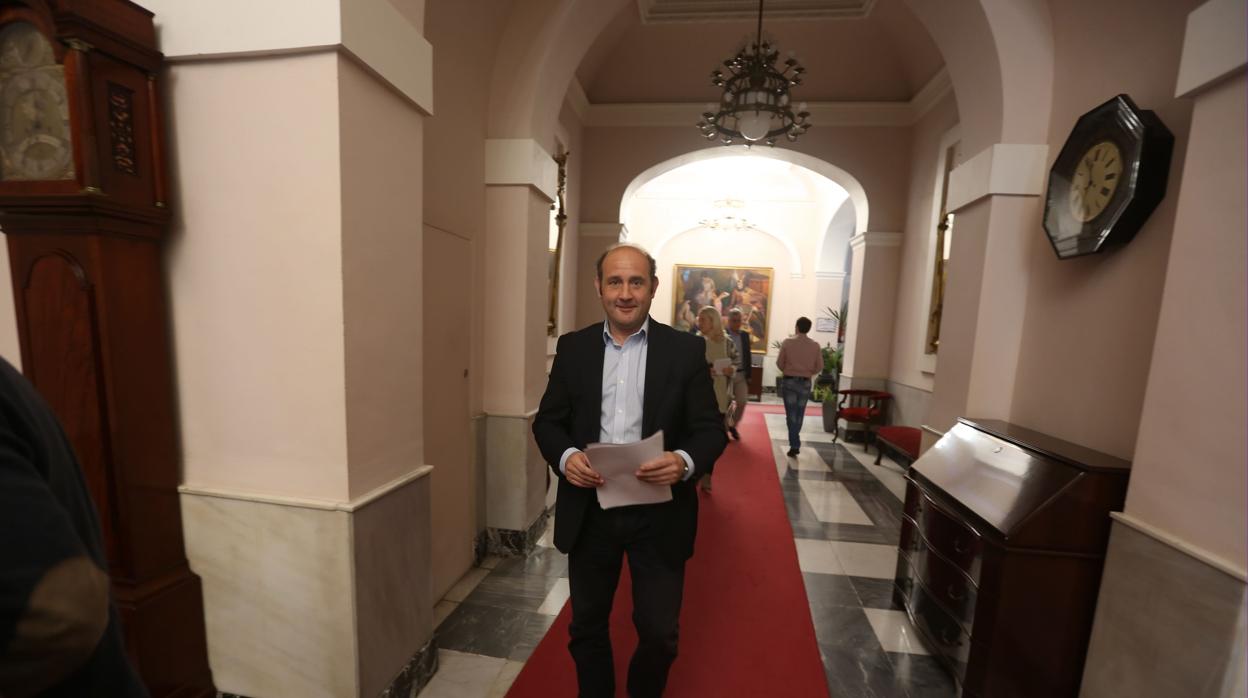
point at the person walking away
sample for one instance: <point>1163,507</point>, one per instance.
<point>718,348</point>
<point>800,359</point>
<point>741,377</point>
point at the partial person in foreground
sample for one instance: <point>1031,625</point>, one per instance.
<point>59,634</point>
<point>619,382</point>
<point>800,359</point>
<point>741,377</point>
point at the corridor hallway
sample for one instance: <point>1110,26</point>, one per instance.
<point>844,514</point>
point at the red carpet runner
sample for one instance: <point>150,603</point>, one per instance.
<point>745,628</point>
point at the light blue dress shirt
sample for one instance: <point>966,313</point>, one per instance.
<point>623,392</point>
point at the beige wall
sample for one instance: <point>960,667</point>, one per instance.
<point>464,35</point>
<point>257,206</point>
<point>588,305</point>
<point>914,277</point>
<point>1091,321</point>
<point>381,246</point>
<point>1189,477</point>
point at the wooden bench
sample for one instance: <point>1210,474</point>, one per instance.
<point>901,442</point>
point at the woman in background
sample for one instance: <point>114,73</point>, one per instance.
<point>718,346</point>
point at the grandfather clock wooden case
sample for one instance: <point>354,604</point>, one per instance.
<point>82,204</point>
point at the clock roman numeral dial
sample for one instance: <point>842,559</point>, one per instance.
<point>1095,181</point>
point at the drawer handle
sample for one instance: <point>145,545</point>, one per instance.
<point>956,593</point>
<point>948,636</point>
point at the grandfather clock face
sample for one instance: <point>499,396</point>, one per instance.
<point>35,139</point>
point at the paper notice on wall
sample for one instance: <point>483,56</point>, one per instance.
<point>618,464</point>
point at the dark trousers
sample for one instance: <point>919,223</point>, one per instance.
<point>594,572</point>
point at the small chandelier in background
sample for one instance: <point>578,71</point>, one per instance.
<point>756,105</point>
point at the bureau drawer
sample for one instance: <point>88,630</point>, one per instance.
<point>943,635</point>
<point>947,584</point>
<point>945,532</point>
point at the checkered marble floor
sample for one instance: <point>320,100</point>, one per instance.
<point>846,518</point>
<point>845,512</point>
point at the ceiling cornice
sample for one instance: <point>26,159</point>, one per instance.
<point>821,113</point>
<point>667,11</point>
<point>578,100</point>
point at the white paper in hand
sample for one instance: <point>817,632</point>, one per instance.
<point>720,364</point>
<point>618,464</point>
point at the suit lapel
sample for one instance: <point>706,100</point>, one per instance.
<point>656,376</point>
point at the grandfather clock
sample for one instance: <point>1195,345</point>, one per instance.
<point>82,203</point>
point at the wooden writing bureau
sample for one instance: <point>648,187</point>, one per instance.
<point>1002,544</point>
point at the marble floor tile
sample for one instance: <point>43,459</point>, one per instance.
<point>492,631</point>
<point>832,503</point>
<point>875,593</point>
<point>895,632</point>
<point>859,673</point>
<point>817,556</point>
<point>466,584</point>
<point>532,631</point>
<point>463,675</point>
<point>922,676</point>
<point>865,559</point>
<point>854,533</point>
<point>506,677</point>
<point>555,600</point>
<point>544,562</point>
<point>524,592</point>
<point>441,610</point>
<point>829,590</point>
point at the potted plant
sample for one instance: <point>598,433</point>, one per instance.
<point>827,384</point>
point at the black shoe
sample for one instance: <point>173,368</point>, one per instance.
<point>793,453</point>
<point>733,431</point>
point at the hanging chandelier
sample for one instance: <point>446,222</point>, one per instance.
<point>756,105</point>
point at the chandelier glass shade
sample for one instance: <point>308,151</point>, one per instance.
<point>756,105</point>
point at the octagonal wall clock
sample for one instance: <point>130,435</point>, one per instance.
<point>1107,179</point>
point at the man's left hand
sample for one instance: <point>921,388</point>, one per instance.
<point>664,470</point>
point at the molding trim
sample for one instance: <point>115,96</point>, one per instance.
<point>1214,46</point>
<point>668,11</point>
<point>578,100</point>
<point>873,239</point>
<point>1215,561</point>
<point>830,275</point>
<point>601,230</point>
<point>661,114</point>
<point>520,162</point>
<point>930,94</point>
<point>932,430</point>
<point>371,31</point>
<point>490,414</point>
<point>1015,169</point>
<point>307,502</point>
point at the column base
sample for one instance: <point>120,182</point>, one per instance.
<point>510,543</point>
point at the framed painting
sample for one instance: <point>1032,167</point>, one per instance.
<point>747,289</point>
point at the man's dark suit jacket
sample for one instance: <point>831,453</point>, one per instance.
<point>678,399</point>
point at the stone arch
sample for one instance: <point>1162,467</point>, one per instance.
<point>657,248</point>
<point>857,194</point>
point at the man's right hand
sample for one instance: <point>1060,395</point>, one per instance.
<point>579,473</point>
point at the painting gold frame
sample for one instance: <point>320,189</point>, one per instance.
<point>747,288</point>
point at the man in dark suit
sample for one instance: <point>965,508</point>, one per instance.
<point>741,377</point>
<point>620,382</point>
<point>59,632</point>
